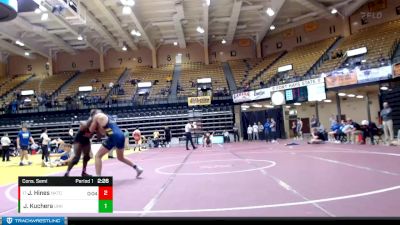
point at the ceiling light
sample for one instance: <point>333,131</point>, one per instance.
<point>384,88</point>
<point>27,53</point>
<point>38,11</point>
<point>351,95</point>
<point>272,27</point>
<point>270,12</point>
<point>269,106</point>
<point>136,33</point>
<point>175,43</point>
<point>80,38</point>
<point>334,11</point>
<point>44,16</point>
<point>359,96</point>
<point>342,94</point>
<point>288,106</point>
<point>327,100</point>
<point>245,106</point>
<point>200,29</point>
<point>124,48</point>
<point>18,42</point>
<point>128,2</point>
<point>223,41</point>
<point>126,10</point>
<point>297,103</point>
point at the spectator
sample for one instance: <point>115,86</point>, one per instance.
<point>255,132</point>
<point>369,129</point>
<point>5,147</point>
<point>347,130</point>
<point>236,132</point>
<point>294,129</point>
<point>226,136</point>
<point>156,139</point>
<point>207,139</point>
<point>167,135</point>
<point>249,133</point>
<point>332,120</point>
<point>267,130</point>
<point>260,130</point>
<point>273,130</point>
<point>333,134</point>
<point>355,131</point>
<point>386,114</point>
<point>126,135</point>
<point>299,129</point>
<point>316,137</point>
<point>45,145</point>
<point>314,122</point>
<point>64,155</point>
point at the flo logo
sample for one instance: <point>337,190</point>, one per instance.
<point>371,15</point>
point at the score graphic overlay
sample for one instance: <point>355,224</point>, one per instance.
<point>65,195</point>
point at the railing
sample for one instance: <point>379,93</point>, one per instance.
<point>78,105</point>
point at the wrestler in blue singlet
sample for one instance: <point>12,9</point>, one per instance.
<point>115,136</point>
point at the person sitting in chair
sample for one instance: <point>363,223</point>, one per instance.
<point>139,140</point>
<point>369,129</point>
<point>64,155</point>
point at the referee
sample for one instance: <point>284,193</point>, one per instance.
<point>188,135</point>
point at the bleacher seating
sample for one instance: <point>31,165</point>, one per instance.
<point>109,76</point>
<point>193,71</point>
<point>89,78</point>
<point>378,39</point>
<point>163,76</point>
<point>129,89</point>
<point>245,70</point>
<point>42,85</point>
<point>302,58</point>
<point>11,83</point>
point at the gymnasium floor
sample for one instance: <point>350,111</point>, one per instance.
<point>248,179</point>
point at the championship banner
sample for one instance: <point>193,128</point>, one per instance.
<point>396,70</point>
<point>374,74</point>
<point>311,26</point>
<point>202,100</point>
<point>341,77</point>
